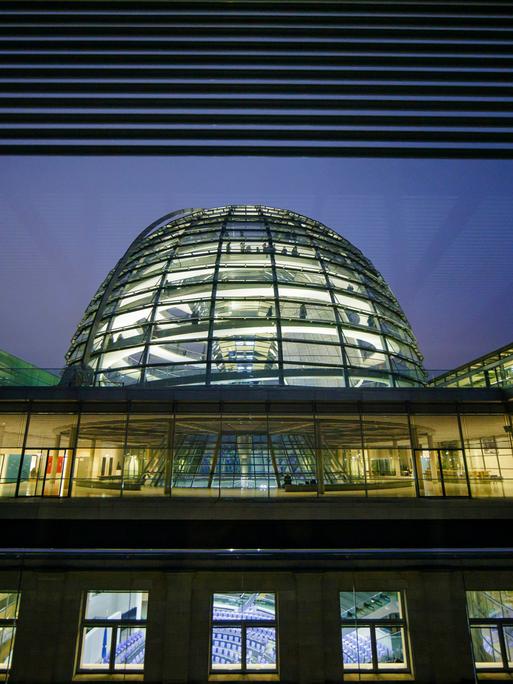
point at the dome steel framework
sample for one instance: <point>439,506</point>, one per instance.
<point>245,294</point>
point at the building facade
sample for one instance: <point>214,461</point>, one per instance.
<point>242,476</point>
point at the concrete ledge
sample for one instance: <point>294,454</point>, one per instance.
<point>310,508</point>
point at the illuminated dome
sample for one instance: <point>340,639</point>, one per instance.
<point>245,295</point>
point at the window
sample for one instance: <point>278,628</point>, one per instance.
<point>373,631</point>
<point>9,602</point>
<point>491,628</point>
<point>113,632</point>
<point>243,635</point>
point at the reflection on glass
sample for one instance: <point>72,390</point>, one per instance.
<point>261,648</point>
<point>356,648</point>
<point>244,606</point>
<point>486,647</point>
<point>373,631</point>
<point>390,647</point>
<point>96,648</point>
<point>113,632</point>
<point>243,637</point>
<point>226,648</point>
<point>130,645</point>
<point>490,604</point>
<point>490,615</point>
<point>112,605</point>
<point>382,605</point>
<point>9,603</point>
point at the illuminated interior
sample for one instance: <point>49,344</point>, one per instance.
<point>245,295</point>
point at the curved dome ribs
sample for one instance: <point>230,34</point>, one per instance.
<point>245,294</point>
<point>107,286</point>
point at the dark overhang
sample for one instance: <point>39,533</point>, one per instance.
<point>323,78</point>
<point>253,400</point>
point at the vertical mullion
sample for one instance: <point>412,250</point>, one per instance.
<point>387,350</point>
<point>362,441</point>
<point>319,456</point>
<point>151,322</point>
<point>214,295</point>
<point>463,451</point>
<point>112,655</point>
<point>170,453</point>
<point>338,321</point>
<point>270,450</point>
<point>279,338</point>
<point>374,647</point>
<point>44,472</point>
<point>442,477</point>
<point>413,447</point>
<point>243,648</point>
<point>23,447</point>
<point>73,444</point>
<point>125,446</point>
<point>502,642</point>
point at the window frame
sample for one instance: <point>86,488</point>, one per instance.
<point>499,623</point>
<point>115,625</point>
<point>13,624</point>
<point>243,625</point>
<point>371,624</point>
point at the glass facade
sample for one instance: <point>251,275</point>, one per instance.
<point>261,451</point>
<point>245,295</point>
<point>243,633</point>
<point>373,631</point>
<point>113,632</point>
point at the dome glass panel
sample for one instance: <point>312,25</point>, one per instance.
<point>245,295</point>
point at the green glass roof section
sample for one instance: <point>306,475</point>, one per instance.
<point>17,372</point>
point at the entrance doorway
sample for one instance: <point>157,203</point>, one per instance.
<point>441,472</point>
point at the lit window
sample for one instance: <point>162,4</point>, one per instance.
<point>9,602</point>
<point>373,631</point>
<point>113,632</point>
<point>243,635</point>
<point>491,628</point>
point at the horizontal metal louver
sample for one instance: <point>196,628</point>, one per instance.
<point>334,78</point>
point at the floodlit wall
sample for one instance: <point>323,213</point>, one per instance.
<point>331,625</point>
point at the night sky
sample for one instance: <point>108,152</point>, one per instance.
<point>441,233</point>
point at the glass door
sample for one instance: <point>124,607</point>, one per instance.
<point>441,472</point>
<point>454,477</point>
<point>428,472</point>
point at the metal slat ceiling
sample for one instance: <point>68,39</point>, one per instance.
<point>330,79</point>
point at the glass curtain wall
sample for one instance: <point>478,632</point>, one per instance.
<point>255,455</point>
<point>12,435</point>
<point>246,295</point>
<point>488,448</point>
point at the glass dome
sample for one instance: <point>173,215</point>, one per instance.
<point>245,295</point>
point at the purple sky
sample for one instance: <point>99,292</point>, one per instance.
<point>441,233</point>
